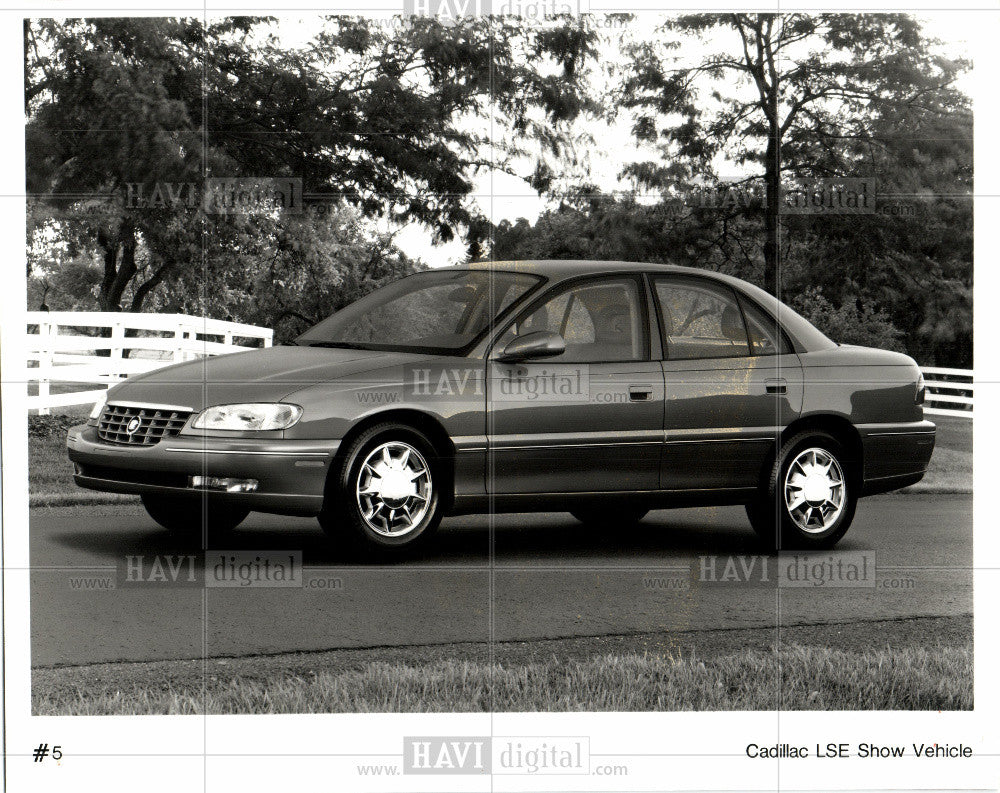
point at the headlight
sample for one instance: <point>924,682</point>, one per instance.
<point>258,416</point>
<point>921,390</point>
<point>99,406</point>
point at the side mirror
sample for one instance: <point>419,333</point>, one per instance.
<point>540,344</point>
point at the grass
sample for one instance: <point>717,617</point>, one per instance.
<point>49,470</point>
<point>50,473</point>
<point>794,678</point>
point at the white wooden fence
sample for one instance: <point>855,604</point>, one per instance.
<point>63,349</point>
<point>949,391</point>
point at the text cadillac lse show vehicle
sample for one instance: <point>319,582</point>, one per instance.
<point>605,389</point>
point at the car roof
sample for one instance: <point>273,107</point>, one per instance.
<point>804,335</point>
<point>558,269</point>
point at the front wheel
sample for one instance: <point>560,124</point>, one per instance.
<point>183,516</point>
<point>384,499</point>
<point>809,498</point>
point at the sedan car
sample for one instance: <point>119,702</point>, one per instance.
<point>605,389</point>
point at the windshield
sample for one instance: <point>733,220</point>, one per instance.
<point>435,311</point>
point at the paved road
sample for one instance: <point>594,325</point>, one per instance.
<point>550,578</point>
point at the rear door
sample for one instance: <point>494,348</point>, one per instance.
<point>731,384</point>
<point>590,419</point>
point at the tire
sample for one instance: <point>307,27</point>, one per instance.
<point>809,497</point>
<point>182,516</point>
<point>609,517</point>
<point>385,516</point>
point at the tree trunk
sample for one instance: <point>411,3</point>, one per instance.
<point>117,272</point>
<point>144,290</point>
<point>119,269</point>
<point>772,165</point>
<point>110,247</point>
<point>772,209</point>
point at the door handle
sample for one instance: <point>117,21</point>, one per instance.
<point>640,393</point>
<point>776,386</point>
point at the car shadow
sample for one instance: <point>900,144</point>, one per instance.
<point>520,539</point>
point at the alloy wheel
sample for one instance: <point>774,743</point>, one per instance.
<point>815,490</point>
<point>394,489</point>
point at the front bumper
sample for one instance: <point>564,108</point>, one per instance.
<point>291,475</point>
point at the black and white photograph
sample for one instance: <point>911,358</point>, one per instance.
<point>412,398</point>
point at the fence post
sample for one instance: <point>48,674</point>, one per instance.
<point>45,361</point>
<point>117,335</point>
<point>179,344</point>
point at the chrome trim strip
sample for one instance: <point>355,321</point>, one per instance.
<point>150,406</point>
<point>247,451</point>
<point>576,493</point>
<point>573,445</point>
<point>894,476</point>
<point>722,440</point>
<point>625,443</point>
<point>902,432</point>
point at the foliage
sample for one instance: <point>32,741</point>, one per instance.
<point>863,96</point>
<point>290,274</point>
<point>389,119</point>
<point>284,274</point>
<point>789,95</point>
<point>607,228</point>
<point>388,124</point>
<point>853,322</point>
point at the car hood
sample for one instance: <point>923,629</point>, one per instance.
<point>266,375</point>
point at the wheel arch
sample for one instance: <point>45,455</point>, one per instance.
<point>426,423</point>
<point>837,426</point>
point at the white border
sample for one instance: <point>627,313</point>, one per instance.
<point>166,753</point>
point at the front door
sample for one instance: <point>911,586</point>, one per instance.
<point>589,419</point>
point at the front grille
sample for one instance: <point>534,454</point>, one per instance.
<point>154,424</point>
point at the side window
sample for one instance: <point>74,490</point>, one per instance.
<point>766,337</point>
<point>599,321</point>
<point>700,320</point>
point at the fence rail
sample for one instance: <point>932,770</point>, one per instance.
<point>949,391</point>
<point>71,349</point>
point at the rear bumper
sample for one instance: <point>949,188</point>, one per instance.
<point>291,475</point>
<point>896,455</point>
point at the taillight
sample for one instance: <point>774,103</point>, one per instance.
<point>921,389</point>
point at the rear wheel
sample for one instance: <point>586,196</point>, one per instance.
<point>183,516</point>
<point>809,499</point>
<point>609,517</point>
<point>384,500</point>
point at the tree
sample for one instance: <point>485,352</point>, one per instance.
<point>607,228</point>
<point>392,120</point>
<point>289,275</point>
<point>851,322</point>
<point>815,82</point>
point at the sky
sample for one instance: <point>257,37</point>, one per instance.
<point>502,196</point>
